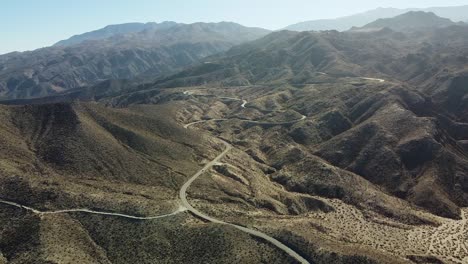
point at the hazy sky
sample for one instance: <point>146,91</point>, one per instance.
<point>31,24</point>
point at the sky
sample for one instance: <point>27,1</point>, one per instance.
<point>32,24</point>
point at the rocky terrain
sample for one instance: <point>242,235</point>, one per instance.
<point>298,147</point>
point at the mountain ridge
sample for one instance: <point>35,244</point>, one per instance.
<point>112,30</point>
<point>131,28</point>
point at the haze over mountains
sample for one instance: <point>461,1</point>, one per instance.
<point>413,20</point>
<point>456,14</point>
<point>228,144</point>
<point>139,50</point>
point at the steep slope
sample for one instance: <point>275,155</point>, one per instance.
<point>410,153</point>
<point>88,141</point>
<point>280,56</point>
<point>293,57</point>
<point>302,57</point>
<point>130,161</point>
<point>119,162</point>
<point>149,53</point>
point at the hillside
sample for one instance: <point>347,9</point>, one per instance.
<point>308,58</point>
<point>301,57</point>
<point>129,161</point>
<point>149,53</point>
<point>381,154</point>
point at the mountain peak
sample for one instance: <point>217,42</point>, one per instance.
<point>113,30</point>
<point>410,21</point>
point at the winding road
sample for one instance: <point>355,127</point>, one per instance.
<point>373,79</point>
<point>183,193</point>
<point>247,121</point>
<point>88,211</point>
<point>196,212</point>
<point>364,78</point>
<point>275,123</point>
<point>185,205</point>
<point>203,121</point>
<point>244,102</point>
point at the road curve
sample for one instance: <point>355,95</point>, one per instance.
<point>202,121</point>
<point>373,79</point>
<point>247,121</point>
<point>244,102</point>
<point>186,204</point>
<point>228,147</point>
<point>275,123</point>
<point>88,211</point>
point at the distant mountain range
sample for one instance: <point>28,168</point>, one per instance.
<point>126,51</point>
<point>455,13</point>
<point>142,51</point>
<point>413,20</point>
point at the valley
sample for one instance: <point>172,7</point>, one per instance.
<point>347,223</point>
<point>357,231</point>
<point>220,143</point>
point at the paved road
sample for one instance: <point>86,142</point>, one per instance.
<point>203,121</point>
<point>186,204</point>
<point>228,147</point>
<point>247,121</point>
<point>373,79</point>
<point>275,123</point>
<point>244,102</point>
<point>88,211</point>
<point>364,78</point>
